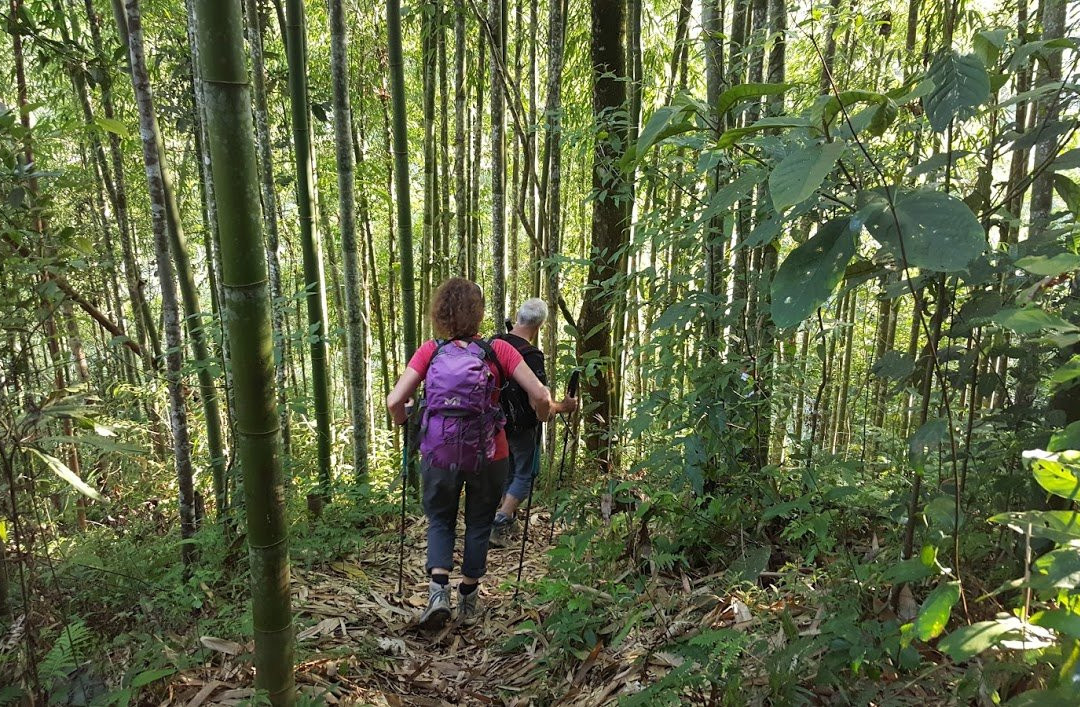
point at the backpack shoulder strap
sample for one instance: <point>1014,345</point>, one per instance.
<point>526,349</point>
<point>489,354</point>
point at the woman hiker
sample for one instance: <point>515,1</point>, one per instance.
<point>462,442</point>
<point>522,424</point>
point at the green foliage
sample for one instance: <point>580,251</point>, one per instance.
<point>961,85</point>
<point>800,173</point>
<point>925,229</point>
<point>811,272</point>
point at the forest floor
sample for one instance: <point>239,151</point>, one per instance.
<point>357,644</point>
<point>357,641</point>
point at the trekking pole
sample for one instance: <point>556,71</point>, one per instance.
<point>572,392</point>
<point>528,511</point>
<point>404,485</point>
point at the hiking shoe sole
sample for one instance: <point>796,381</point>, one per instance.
<point>435,620</point>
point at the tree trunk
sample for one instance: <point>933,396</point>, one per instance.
<point>155,177</point>
<point>431,202</point>
<point>356,325</point>
<point>443,251</point>
<point>269,211</point>
<point>460,194</point>
<point>1048,111</point>
<point>404,209</point>
<point>248,315</point>
<point>314,277</point>
<point>478,145</point>
<point>144,322</point>
<point>609,218</point>
<point>715,254</point>
<point>498,166</point>
<point>215,438</point>
<point>551,181</point>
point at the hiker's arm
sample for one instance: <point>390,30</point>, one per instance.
<point>402,392</point>
<point>539,395</point>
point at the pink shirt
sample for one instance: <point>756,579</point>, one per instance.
<point>509,359</point>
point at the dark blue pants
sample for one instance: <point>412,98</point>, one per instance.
<point>442,494</point>
<point>523,462</point>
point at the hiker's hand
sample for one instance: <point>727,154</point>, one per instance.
<point>399,402</point>
<point>568,405</point>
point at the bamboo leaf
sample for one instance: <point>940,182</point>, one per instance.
<point>112,125</point>
<point>61,469</point>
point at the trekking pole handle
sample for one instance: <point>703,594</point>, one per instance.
<point>573,386</point>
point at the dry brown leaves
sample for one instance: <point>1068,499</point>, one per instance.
<point>356,644</point>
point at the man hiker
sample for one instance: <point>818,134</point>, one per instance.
<point>462,441</point>
<point>522,424</point>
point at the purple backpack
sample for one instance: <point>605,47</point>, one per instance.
<point>460,421</point>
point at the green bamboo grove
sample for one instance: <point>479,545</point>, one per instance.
<point>815,265</point>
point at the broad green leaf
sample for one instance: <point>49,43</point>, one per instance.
<point>1049,265</point>
<point>941,160</point>
<point>907,571</point>
<point>1067,372</point>
<point>1030,320</point>
<point>1061,696</point>
<point>826,107</point>
<point>801,172</point>
<point>1059,526</point>
<point>1067,160</point>
<point>938,231</point>
<point>988,44</point>
<point>1057,477</point>
<point>811,272</point>
<point>968,641</point>
<point>1068,438</point>
<point>935,611</point>
<point>913,569</point>
<point>930,433</point>
<point>894,365</point>
<point>940,513</point>
<point>732,136</point>
<point>1069,191</point>
<point>1060,620</point>
<point>61,469</point>
<point>1058,569</point>
<point>743,91</point>
<point>664,122</point>
<point>961,85</point>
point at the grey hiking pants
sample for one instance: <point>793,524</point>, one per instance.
<point>442,494</point>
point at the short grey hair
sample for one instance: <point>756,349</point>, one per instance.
<point>532,312</point>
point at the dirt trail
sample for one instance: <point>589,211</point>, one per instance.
<point>349,619</point>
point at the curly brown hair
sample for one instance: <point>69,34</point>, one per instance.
<point>457,309</point>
